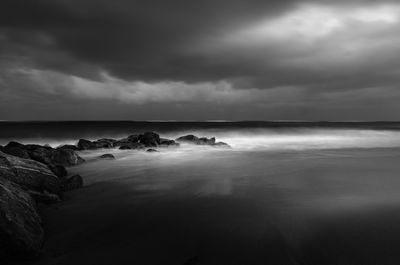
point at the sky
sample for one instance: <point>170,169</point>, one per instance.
<point>199,60</point>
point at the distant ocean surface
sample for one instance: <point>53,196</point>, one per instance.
<point>242,135</point>
<point>287,193</point>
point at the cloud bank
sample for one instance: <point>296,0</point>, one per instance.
<point>287,59</point>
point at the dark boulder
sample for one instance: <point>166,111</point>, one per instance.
<point>221,144</point>
<point>16,151</point>
<point>58,170</point>
<point>206,141</point>
<point>41,154</point>
<point>21,233</point>
<point>69,146</point>
<point>107,156</point>
<point>72,183</point>
<point>14,144</point>
<point>134,138</point>
<point>32,147</point>
<point>85,145</point>
<point>150,139</point>
<point>29,174</point>
<point>132,146</point>
<point>192,139</point>
<point>168,143</point>
<point>121,142</point>
<point>188,139</point>
<point>104,143</point>
<point>151,150</point>
<point>66,157</point>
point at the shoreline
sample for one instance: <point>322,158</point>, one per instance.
<point>33,174</point>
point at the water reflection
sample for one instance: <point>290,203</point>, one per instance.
<point>309,207</point>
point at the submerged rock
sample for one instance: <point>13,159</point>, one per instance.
<point>188,139</point>
<point>107,156</point>
<point>192,139</point>
<point>168,143</point>
<point>71,183</point>
<point>21,233</point>
<point>132,146</point>
<point>151,150</point>
<point>222,144</point>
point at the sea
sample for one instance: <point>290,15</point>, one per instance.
<point>285,193</point>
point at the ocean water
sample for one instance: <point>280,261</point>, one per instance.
<point>285,193</point>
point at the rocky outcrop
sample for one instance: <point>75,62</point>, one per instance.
<point>55,159</point>
<point>21,233</point>
<point>192,139</point>
<point>31,175</point>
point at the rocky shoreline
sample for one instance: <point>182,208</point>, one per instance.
<point>34,174</point>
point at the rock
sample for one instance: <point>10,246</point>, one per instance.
<point>222,144</point>
<point>168,143</point>
<point>134,138</point>
<point>206,141</point>
<point>32,147</point>
<point>71,183</point>
<point>58,170</point>
<point>192,139</point>
<point>85,145</point>
<point>21,233</point>
<point>41,154</point>
<point>16,151</point>
<point>188,139</point>
<point>107,156</point>
<point>66,157</point>
<point>151,150</point>
<point>104,143</point>
<point>132,146</point>
<point>69,146</point>
<point>44,197</point>
<point>150,139</point>
<point>14,144</point>
<point>121,142</point>
<point>29,174</point>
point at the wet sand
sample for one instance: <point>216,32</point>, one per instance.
<point>311,207</point>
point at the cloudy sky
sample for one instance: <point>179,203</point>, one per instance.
<point>199,60</point>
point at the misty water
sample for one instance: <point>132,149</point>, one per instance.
<point>279,196</point>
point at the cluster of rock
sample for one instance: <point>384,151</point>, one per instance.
<point>147,140</point>
<point>30,174</point>
<point>33,173</point>
<point>192,139</point>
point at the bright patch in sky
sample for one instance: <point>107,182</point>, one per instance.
<point>313,22</point>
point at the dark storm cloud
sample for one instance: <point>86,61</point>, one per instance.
<point>288,55</point>
<point>146,40</point>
